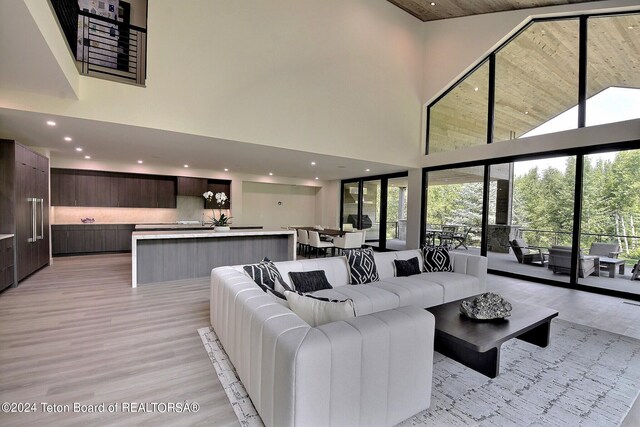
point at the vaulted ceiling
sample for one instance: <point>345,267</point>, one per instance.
<point>431,10</point>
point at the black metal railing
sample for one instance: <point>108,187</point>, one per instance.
<point>103,47</point>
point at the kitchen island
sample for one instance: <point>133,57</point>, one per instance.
<point>161,256</point>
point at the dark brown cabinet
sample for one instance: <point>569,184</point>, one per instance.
<point>91,238</point>
<point>6,263</point>
<point>218,186</point>
<point>24,205</point>
<point>188,186</point>
<point>111,189</point>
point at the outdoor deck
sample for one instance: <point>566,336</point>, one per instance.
<point>508,262</point>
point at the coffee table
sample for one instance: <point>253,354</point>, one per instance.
<point>476,343</point>
<point>611,263</point>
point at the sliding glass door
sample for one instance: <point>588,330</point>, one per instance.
<point>377,206</point>
<point>611,220</point>
<point>530,221</point>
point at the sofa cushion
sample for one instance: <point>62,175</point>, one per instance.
<point>436,259</point>
<point>413,290</point>
<point>317,311</point>
<point>366,298</point>
<point>406,268</point>
<point>265,273</point>
<point>309,281</point>
<point>455,285</point>
<point>362,266</point>
<point>384,263</point>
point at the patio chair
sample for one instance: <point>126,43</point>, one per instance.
<point>527,254</point>
<point>635,273</point>
<point>560,262</point>
<point>609,250</point>
<point>447,235</point>
<point>461,238</point>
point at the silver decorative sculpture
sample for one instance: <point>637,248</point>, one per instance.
<point>486,306</point>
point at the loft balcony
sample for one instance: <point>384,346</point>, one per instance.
<point>103,41</point>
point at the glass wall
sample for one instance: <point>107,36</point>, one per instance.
<point>371,192</point>
<point>454,208</point>
<point>397,197</point>
<point>536,84</point>
<point>350,200</point>
<point>611,219</point>
<point>613,69</point>
<point>531,202</point>
<point>459,119</point>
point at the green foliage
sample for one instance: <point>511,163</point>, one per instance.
<point>544,200</point>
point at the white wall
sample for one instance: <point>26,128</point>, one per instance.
<point>278,205</point>
<point>324,76</point>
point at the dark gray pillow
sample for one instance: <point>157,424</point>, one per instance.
<point>264,273</point>
<point>405,268</point>
<point>362,266</point>
<point>436,259</point>
<point>309,281</point>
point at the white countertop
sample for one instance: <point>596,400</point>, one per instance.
<point>188,234</point>
<point>179,226</point>
<point>5,236</point>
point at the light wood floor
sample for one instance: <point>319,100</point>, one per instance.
<point>77,332</point>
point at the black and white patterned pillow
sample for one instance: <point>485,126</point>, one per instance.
<point>436,259</point>
<point>265,273</point>
<point>362,266</point>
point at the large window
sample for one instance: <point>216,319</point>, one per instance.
<point>611,219</point>
<point>613,70</point>
<point>454,208</point>
<point>536,84</point>
<point>537,80</point>
<point>459,119</point>
<point>531,203</point>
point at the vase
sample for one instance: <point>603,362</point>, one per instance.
<point>222,228</point>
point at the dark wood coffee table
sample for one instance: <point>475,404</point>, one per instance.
<point>476,343</point>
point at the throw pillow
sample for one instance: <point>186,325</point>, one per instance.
<point>405,268</point>
<point>309,281</point>
<point>265,273</point>
<point>436,259</point>
<point>317,311</point>
<point>362,266</point>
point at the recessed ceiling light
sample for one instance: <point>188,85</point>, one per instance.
<point>433,3</point>
<point>87,157</point>
<point>313,163</point>
<point>78,149</point>
<point>367,170</point>
<point>317,178</point>
<point>51,123</point>
<point>226,170</point>
<point>270,173</point>
<point>630,27</point>
<point>68,138</point>
<point>140,162</point>
<point>476,89</point>
<point>186,166</point>
<point>526,112</point>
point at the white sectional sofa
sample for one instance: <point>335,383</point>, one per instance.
<point>372,370</point>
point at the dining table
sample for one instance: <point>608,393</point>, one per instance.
<point>326,231</point>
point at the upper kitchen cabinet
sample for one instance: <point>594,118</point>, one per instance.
<point>218,186</point>
<point>110,189</point>
<point>188,186</point>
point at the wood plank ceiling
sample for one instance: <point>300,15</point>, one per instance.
<point>443,9</point>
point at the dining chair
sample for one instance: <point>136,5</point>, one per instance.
<point>303,241</point>
<point>348,241</point>
<point>317,244</point>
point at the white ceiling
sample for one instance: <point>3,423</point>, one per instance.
<point>115,143</point>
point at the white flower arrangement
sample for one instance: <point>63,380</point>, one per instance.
<point>221,198</point>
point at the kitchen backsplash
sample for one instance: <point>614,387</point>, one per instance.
<point>187,208</point>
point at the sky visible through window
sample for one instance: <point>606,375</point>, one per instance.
<point>614,104</point>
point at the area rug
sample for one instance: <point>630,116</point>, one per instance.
<point>586,376</point>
